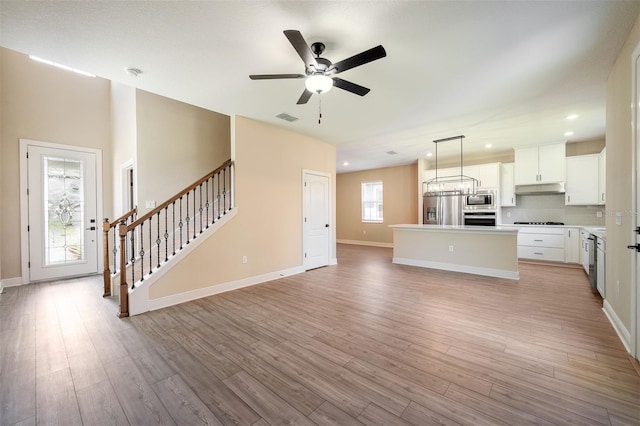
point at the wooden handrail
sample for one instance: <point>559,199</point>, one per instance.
<point>106,227</point>
<point>142,219</point>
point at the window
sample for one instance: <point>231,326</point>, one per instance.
<point>372,201</point>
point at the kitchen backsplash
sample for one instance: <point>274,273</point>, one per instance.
<point>543,208</point>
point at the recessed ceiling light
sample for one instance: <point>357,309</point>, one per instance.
<point>488,145</point>
<point>429,154</point>
<point>346,163</point>
<point>569,133</point>
<point>572,116</point>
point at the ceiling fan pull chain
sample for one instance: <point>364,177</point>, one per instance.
<point>319,107</point>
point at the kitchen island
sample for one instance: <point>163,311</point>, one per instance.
<point>481,250</point>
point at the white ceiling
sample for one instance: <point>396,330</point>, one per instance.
<point>499,72</point>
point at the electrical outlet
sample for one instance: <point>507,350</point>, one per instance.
<point>451,249</point>
<point>599,213</point>
<point>244,259</point>
<point>617,287</point>
<point>150,204</point>
<point>508,214</point>
<point>364,232</point>
<point>618,218</point>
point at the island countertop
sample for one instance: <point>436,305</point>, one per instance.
<point>457,228</point>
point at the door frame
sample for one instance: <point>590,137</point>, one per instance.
<point>24,200</point>
<point>635,187</point>
<point>332,216</point>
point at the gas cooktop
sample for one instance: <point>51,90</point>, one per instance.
<point>538,223</point>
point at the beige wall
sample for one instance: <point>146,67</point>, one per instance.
<point>175,139</point>
<point>400,204</point>
<point>123,138</point>
<point>44,103</point>
<point>620,176</point>
<point>268,226</point>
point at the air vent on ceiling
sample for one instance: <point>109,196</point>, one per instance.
<point>392,152</point>
<point>286,117</point>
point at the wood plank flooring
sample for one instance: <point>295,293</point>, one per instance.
<point>365,342</point>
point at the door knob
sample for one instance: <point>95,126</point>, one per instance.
<point>635,247</point>
<point>327,225</point>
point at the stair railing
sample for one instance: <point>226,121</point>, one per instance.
<point>160,234</point>
<point>111,257</point>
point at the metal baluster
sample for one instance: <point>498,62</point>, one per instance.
<point>218,195</point>
<point>166,235</point>
<point>141,256</point>
<point>173,227</point>
<point>133,241</point>
<point>206,204</point>
<point>158,240</point>
<point>200,210</point>
<point>231,186</point>
<point>115,250</point>
<point>180,223</point>
<point>224,189</point>
<point>187,219</point>
<point>150,245</point>
<point>195,219</point>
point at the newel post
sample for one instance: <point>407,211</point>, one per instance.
<point>106,273</point>
<point>124,290</point>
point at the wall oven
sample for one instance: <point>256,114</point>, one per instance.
<point>477,218</point>
<point>480,209</point>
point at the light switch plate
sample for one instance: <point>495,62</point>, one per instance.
<point>150,204</point>
<point>618,218</point>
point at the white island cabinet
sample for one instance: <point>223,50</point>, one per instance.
<point>540,164</point>
<point>480,250</point>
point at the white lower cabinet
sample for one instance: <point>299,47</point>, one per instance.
<point>572,245</point>
<point>542,243</point>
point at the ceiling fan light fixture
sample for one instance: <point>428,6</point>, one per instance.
<point>318,83</point>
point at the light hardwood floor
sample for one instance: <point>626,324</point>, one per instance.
<point>363,342</point>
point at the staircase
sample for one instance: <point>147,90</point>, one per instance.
<point>148,243</point>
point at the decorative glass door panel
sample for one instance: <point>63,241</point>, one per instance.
<point>62,213</point>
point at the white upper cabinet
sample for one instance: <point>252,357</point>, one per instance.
<point>540,164</point>
<point>602,173</point>
<point>581,187</point>
<point>488,176</point>
<point>507,187</point>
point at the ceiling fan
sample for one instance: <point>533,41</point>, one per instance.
<point>319,71</point>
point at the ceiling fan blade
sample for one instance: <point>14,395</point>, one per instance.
<point>304,98</point>
<point>350,87</point>
<point>359,59</point>
<point>275,76</point>
<point>301,46</point>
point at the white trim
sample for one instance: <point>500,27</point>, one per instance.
<point>163,302</point>
<point>634,345</point>
<point>333,262</point>
<point>24,201</point>
<point>10,282</point>
<point>365,243</point>
<point>476,270</point>
<point>618,326</point>
<point>139,298</point>
<point>124,189</point>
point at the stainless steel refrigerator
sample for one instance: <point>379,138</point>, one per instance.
<point>445,208</point>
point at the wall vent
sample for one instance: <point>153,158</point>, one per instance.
<point>392,152</point>
<point>286,117</point>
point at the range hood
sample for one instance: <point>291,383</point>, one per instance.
<point>540,189</point>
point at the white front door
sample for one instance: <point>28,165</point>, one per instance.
<point>316,220</point>
<point>62,208</point>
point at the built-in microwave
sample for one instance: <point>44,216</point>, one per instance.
<point>482,200</point>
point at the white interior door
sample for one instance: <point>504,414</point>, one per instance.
<point>62,208</point>
<point>316,224</point>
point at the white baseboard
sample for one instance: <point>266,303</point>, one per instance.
<point>365,243</point>
<point>476,270</point>
<point>622,331</point>
<point>333,262</point>
<point>141,305</point>
<point>10,282</point>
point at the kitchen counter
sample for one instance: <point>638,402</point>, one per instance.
<point>481,250</point>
